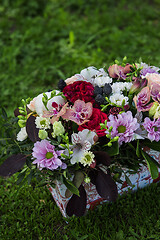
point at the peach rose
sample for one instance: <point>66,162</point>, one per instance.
<point>153,78</point>
<point>71,80</point>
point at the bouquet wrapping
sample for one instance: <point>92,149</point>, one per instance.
<point>91,131</point>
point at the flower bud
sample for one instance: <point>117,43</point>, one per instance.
<point>93,164</point>
<point>42,134</point>
<point>87,179</point>
<point>153,109</point>
<point>21,123</point>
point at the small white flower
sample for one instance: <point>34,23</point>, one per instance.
<point>22,135</point>
<point>89,74</point>
<point>119,87</point>
<point>42,123</point>
<point>118,98</point>
<point>88,158</point>
<point>100,81</point>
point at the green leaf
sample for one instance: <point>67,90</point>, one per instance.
<point>70,186</point>
<point>71,38</point>
<point>128,181</point>
<point>4,114</point>
<point>113,150</point>
<point>151,165</point>
<point>153,145</point>
<point>138,153</point>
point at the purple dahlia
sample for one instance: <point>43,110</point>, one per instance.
<point>124,126</point>
<point>153,128</point>
<point>46,156</point>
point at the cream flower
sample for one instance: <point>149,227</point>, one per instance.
<point>82,142</point>
<point>88,158</point>
<point>118,98</point>
<point>42,123</point>
<point>22,135</point>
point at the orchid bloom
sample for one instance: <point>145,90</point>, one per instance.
<point>82,142</point>
<point>79,113</point>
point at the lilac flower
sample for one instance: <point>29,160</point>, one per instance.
<point>153,128</point>
<point>124,126</point>
<point>144,71</point>
<point>46,156</point>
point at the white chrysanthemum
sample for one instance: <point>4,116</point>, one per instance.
<point>100,81</point>
<point>22,135</point>
<point>42,123</point>
<point>88,158</point>
<point>119,87</point>
<point>118,98</point>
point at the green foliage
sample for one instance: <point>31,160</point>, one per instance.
<point>30,213</point>
<point>42,40</point>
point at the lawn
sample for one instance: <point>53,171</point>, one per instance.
<point>42,41</point>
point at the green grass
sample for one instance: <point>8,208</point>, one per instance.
<point>30,213</point>
<point>42,41</point>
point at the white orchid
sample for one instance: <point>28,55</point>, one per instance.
<point>82,142</point>
<point>36,105</point>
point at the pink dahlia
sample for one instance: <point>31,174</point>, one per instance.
<point>153,128</point>
<point>124,126</point>
<point>46,156</point>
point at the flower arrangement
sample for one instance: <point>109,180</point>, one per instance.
<point>91,129</point>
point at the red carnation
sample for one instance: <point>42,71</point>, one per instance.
<point>81,90</point>
<point>94,122</point>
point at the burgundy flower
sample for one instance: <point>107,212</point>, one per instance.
<point>138,84</point>
<point>142,100</point>
<point>79,90</point>
<point>115,111</point>
<point>94,122</point>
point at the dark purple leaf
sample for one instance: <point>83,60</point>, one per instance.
<point>77,204</point>
<point>93,174</point>
<point>102,157</point>
<point>16,112</point>
<point>31,129</point>
<point>12,165</point>
<point>106,187</point>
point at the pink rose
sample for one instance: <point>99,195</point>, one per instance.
<point>71,80</point>
<point>154,86</point>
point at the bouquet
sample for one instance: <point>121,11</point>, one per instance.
<point>93,128</point>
